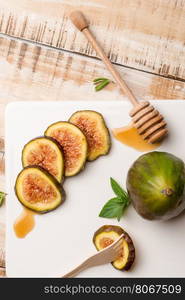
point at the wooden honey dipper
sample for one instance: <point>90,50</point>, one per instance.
<point>149,122</point>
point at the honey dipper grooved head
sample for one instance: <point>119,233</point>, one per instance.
<point>149,123</point>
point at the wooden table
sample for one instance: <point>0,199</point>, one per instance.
<point>43,57</point>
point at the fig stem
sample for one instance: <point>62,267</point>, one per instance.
<point>168,192</point>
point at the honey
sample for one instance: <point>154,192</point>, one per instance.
<point>24,223</point>
<point>129,136</point>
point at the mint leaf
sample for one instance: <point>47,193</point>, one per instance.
<point>100,83</point>
<point>100,86</point>
<point>117,189</point>
<point>2,197</point>
<point>99,79</point>
<point>120,213</point>
<point>113,209</point>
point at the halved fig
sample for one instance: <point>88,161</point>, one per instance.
<point>38,190</point>
<point>74,145</point>
<point>93,126</point>
<point>46,153</point>
<point>106,235</point>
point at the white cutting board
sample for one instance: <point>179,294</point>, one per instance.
<point>63,238</point>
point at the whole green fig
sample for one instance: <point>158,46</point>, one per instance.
<point>156,185</point>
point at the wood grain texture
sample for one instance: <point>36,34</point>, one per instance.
<point>30,72</point>
<point>2,212</point>
<point>59,74</point>
<point>35,73</point>
<point>144,37</point>
<point>2,245</point>
<point>2,272</point>
<point>143,34</point>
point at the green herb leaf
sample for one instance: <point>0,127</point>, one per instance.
<point>99,79</point>
<point>117,188</point>
<point>100,83</point>
<point>113,209</point>
<point>120,213</point>
<point>2,198</point>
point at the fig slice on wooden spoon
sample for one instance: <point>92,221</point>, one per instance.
<point>106,235</point>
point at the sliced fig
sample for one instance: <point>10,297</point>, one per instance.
<point>74,145</point>
<point>46,153</point>
<point>38,190</point>
<point>93,126</point>
<point>106,235</point>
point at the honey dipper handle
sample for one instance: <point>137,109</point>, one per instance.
<point>81,24</point>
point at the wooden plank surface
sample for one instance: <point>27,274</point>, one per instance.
<point>138,35</point>
<point>2,245</point>
<point>35,73</point>
<point>2,211</point>
<point>147,35</point>
<point>2,272</point>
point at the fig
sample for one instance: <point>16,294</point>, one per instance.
<point>38,190</point>
<point>46,153</point>
<point>156,185</point>
<point>106,235</point>
<point>93,126</point>
<point>74,145</point>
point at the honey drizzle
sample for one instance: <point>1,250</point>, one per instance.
<point>24,223</point>
<point>129,136</point>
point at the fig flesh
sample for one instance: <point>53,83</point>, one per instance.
<point>46,153</point>
<point>38,190</point>
<point>73,143</point>
<point>106,235</point>
<point>93,126</point>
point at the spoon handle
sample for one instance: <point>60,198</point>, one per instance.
<point>81,24</point>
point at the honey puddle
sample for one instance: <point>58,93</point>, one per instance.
<point>24,223</point>
<point>129,136</point>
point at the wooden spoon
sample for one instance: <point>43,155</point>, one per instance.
<point>102,257</point>
<point>148,121</point>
